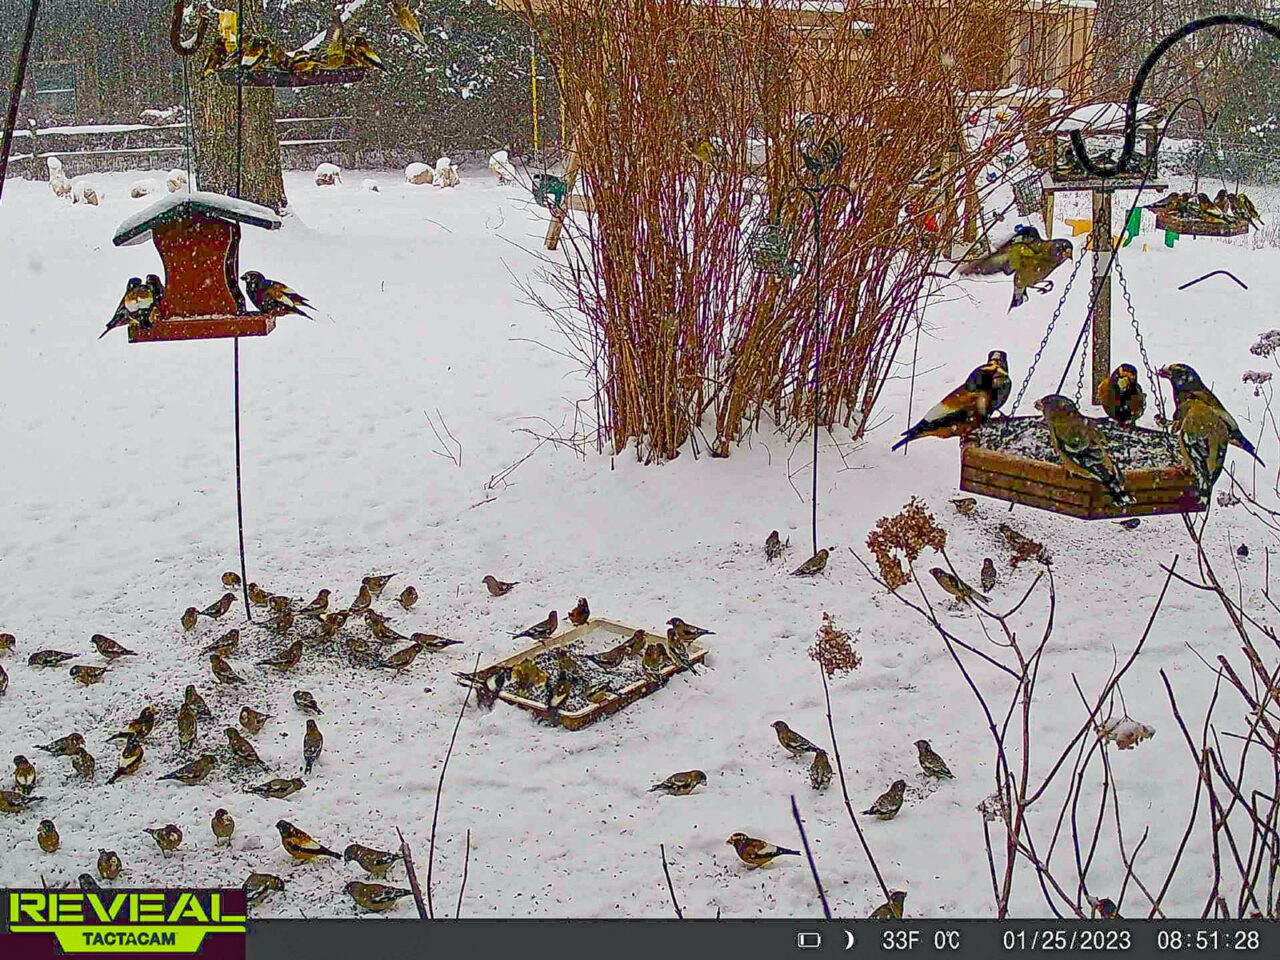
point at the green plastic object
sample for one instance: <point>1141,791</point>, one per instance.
<point>549,190</point>
<point>1133,227</point>
<point>1170,238</point>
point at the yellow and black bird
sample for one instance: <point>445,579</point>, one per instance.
<point>312,744</point>
<point>814,565</point>
<point>377,582</point>
<point>581,613</point>
<point>306,702</point>
<point>225,645</point>
<point>1187,386</point>
<point>957,587</point>
<point>242,748</point>
<point>192,696</point>
<point>286,659</point>
<point>109,648</point>
<point>774,547</point>
<point>299,844</point>
<point>969,405</point>
<point>820,771</point>
<point>135,306</point>
<point>795,744</point>
<point>140,726</point>
<point>680,784</point>
<point>188,726</point>
<point>258,886</point>
<point>498,588</point>
<point>64,746</point>
<point>888,803</point>
<point>1028,258</point>
<point>679,651</point>
<point>223,826</point>
<point>109,865</point>
<point>24,774</point>
<point>686,632</point>
<point>222,671</point>
<point>252,720</point>
<point>433,642</point>
<point>7,642</point>
<point>49,658</point>
<point>273,296</point>
<point>1202,442</point>
<point>965,505</point>
<point>402,659</point>
<point>257,596</point>
<point>317,606</point>
<point>168,838</point>
<point>231,579</point>
<point>361,53</point>
<point>130,759</point>
<point>891,909</point>
<point>1122,396</point>
<point>491,686</point>
<point>193,772</point>
<point>542,630</point>
<point>87,676</point>
<point>219,607</point>
<point>83,764</point>
<point>408,20</point>
<point>757,853</point>
<point>1080,446</point>
<point>277,789</point>
<point>11,801</point>
<point>376,863</point>
<point>408,597</point>
<point>375,897</point>
<point>190,617</point>
<point>931,763</point>
<point>47,836</point>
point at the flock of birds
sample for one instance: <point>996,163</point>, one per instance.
<point>141,297</point>
<point>338,51</point>
<point>1235,209</point>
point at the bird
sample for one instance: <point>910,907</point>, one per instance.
<point>87,676</point>
<point>1104,907</point>
<point>969,405</point>
<point>1202,442</point>
<point>278,605</point>
<point>135,306</point>
<point>612,658</point>
<point>331,623</point>
<point>47,836</point>
<point>377,582</point>
<point>1080,446</point>
<point>219,53</point>
<point>130,760</point>
<point>191,697</point>
<point>987,579</point>
<point>408,597</point>
<point>306,702</point>
<point>581,613</point>
<point>680,784</point>
<point>252,720</point>
<point>312,744</point>
<point>1028,259</point>
<point>193,772</point>
<point>679,651</point>
<point>225,645</point>
<point>820,771</point>
<point>774,547</point>
<point>11,801</point>
<point>957,587</point>
<point>1121,395</point>
<point>795,744</point>
<point>299,844</point>
<point>64,746</point>
<point>686,632</point>
<point>257,596</point>
<point>24,774</point>
<point>557,692</point>
<point>49,658</point>
<point>375,897</point>
<point>402,659</point>
<point>302,62</point>
<point>814,565</point>
<point>655,657</point>
<point>273,296</point>
<point>222,671</point>
<point>86,882</point>
<point>168,838</point>
<point>892,908</point>
<point>433,643</point>
<point>7,642</point>
<point>231,579</point>
<point>965,505</point>
<point>497,588</point>
<point>108,648</point>
<point>109,865</point>
<point>4,680</point>
<point>277,788</point>
<point>241,747</point>
<point>83,764</point>
<point>1209,210</point>
<point>286,659</point>
<point>258,886</point>
<point>190,617</point>
<point>888,803</point>
<point>282,623</point>
<point>1132,523</point>
<point>1244,206</point>
<point>362,53</point>
<point>757,853</point>
<point>490,688</point>
<point>253,53</point>
<point>362,602</point>
<point>1187,385</point>
<point>376,863</point>
<point>317,606</point>
<point>216,609</point>
<point>408,20</point>
<point>223,826</point>
<point>380,629</point>
<point>543,630</point>
<point>931,763</point>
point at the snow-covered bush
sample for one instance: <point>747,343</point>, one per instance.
<point>446,173</point>
<point>419,173</point>
<point>328,175</point>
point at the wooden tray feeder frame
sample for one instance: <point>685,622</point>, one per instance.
<point>1196,227</point>
<point>576,720</point>
<point>198,238</point>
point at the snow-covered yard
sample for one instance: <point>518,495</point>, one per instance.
<point>119,512</point>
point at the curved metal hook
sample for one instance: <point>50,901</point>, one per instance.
<point>1105,171</point>
<point>185,48</point>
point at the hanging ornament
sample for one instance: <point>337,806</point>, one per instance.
<point>1008,160</point>
<point>931,223</point>
<point>992,176</point>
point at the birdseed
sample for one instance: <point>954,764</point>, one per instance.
<point>1132,448</point>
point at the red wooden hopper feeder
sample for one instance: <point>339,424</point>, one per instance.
<point>198,237</point>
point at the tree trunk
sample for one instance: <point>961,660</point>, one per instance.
<point>214,105</point>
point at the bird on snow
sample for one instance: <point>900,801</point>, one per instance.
<point>774,547</point>
<point>109,865</point>
<point>299,845</point>
<point>252,720</point>
<point>376,863</point>
<point>891,909</point>
<point>931,763</point>
<point>542,630</point>
<point>47,836</point>
<point>191,696</point>
<point>168,838</point>
<point>220,607</point>
<point>193,772</point>
<point>820,771</point>
<point>83,764</point>
<point>140,726</point>
<point>497,588</point>
<point>306,702</point>
<point>408,597</point>
<point>680,784</point>
<point>967,406</point>
<point>375,897</point>
<point>108,648</point>
<point>757,853</point>
<point>241,747</point>
<point>225,645</point>
<point>64,746</point>
<point>49,658</point>
<point>11,801</point>
<point>24,774</point>
<point>987,578</point>
<point>957,587</point>
<point>188,726</point>
<point>312,744</point>
<point>88,676</point>
<point>222,670</point>
<point>223,826</point>
<point>258,886</point>
<point>286,659</point>
<point>814,565</point>
<point>130,760</point>
<point>795,744</point>
<point>190,617</point>
<point>888,803</point>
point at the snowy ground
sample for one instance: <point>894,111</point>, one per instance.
<point>119,512</point>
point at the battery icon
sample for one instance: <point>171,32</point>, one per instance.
<point>808,940</point>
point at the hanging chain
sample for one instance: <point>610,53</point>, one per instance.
<point>1142,347</point>
<point>1044,342</point>
<point>1084,355</point>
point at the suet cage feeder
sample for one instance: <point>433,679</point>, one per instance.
<point>198,238</point>
<point>594,636</point>
<point>770,249</point>
<point>276,77</point>
<point>1199,227</point>
<point>1101,126</point>
<point>1011,459</point>
<point>1028,194</point>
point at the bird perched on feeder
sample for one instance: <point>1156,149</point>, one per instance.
<point>220,607</point>
<point>272,296</point>
<point>135,306</point>
<point>376,863</point>
<point>408,20</point>
<point>987,578</point>
<point>984,392</point>
<point>360,53</point>
<point>1080,447</point>
<point>774,547</point>
<point>191,697</point>
<point>47,836</point>
<point>814,565</point>
<point>542,630</point>
<point>679,651</point>
<point>795,744</point>
<point>312,744</point>
<point>613,657</point>
<point>892,909</point>
<point>306,702</point>
<point>888,803</point>
<point>1187,386</point>
<point>299,844</point>
<point>130,759</point>
<point>11,801</point>
<point>1028,259</point>
<point>375,897</point>
<point>820,771</point>
<point>168,838</point>
<point>286,659</point>
<point>1211,211</point>
<point>956,587</point>
<point>109,865</point>
<point>87,676</point>
<point>1202,442</point>
<point>497,588</point>
<point>680,784</point>
<point>241,747</point>
<point>193,772</point>
<point>222,670</point>
<point>223,826</point>
<point>653,660</point>
<point>581,613</point>
<point>757,853</point>
<point>64,746</point>
<point>277,788</point>
<point>931,763</point>
<point>24,774</point>
<point>1121,395</point>
<point>252,720</point>
<point>140,726</point>
<point>1245,209</point>
<point>220,53</point>
<point>83,764</point>
<point>108,648</point>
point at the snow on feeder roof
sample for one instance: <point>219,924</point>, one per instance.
<point>182,206</point>
<point>1103,117</point>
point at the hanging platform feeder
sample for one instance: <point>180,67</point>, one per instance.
<point>1197,227</point>
<point>275,77</point>
<point>1012,459</point>
<point>1102,125</point>
<point>198,238</point>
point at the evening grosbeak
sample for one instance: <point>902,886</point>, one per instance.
<point>277,789</point>
<point>7,642</point>
<point>286,659</point>
<point>47,836</point>
<point>278,605</point>
<point>257,596</point>
<point>402,659</point>
<point>542,630</point>
<point>983,393</point>
<point>219,53</point>
<point>891,910</point>
<point>888,803</point>
<point>931,763</point>
<point>192,696</point>
<point>361,53</point>
<point>820,771</point>
<point>193,772</point>
<point>223,826</point>
<point>774,547</point>
<point>331,623</point>
<point>312,744</point>
<point>497,588</point>
<point>83,764</point>
<point>1121,395</point>
<point>814,565</point>
<point>224,646</point>
<point>377,582</point>
<point>679,651</point>
<point>24,774</point>
<point>108,648</point>
<point>317,606</point>
<point>222,671</point>
<point>306,702</point>
<point>11,801</point>
<point>219,608</point>
<point>130,760</point>
<point>957,587</point>
<point>407,20</point>
<point>1244,207</point>
<point>1187,385</point>
<point>241,747</point>
<point>188,726</point>
<point>378,627</point>
<point>375,897</point>
<point>680,784</point>
<point>135,306</point>
<point>87,676</point>
<point>490,687</point>
<point>299,845</point>
<point>1202,441</point>
<point>49,658</point>
<point>140,726</point>
<point>168,838</point>
<point>4,680</point>
<point>965,505</point>
<point>987,578</point>
<point>190,617</point>
<point>685,632</point>
<point>376,863</point>
<point>408,597</point>
<point>433,642</point>
<point>253,54</point>
<point>282,623</point>
<point>795,744</point>
<point>653,661</point>
<point>109,865</point>
<point>64,746</point>
<point>1028,259</point>
<point>757,853</point>
<point>581,613</point>
<point>86,882</point>
<point>231,579</point>
<point>557,692</point>
<point>258,886</point>
<point>272,296</point>
<point>613,657</point>
<point>252,720</point>
<point>527,675</point>
<point>1080,447</point>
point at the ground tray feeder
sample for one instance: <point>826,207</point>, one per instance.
<point>261,76</point>
<point>1198,227</point>
<point>628,680</point>
<point>1012,459</point>
<point>198,237</point>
